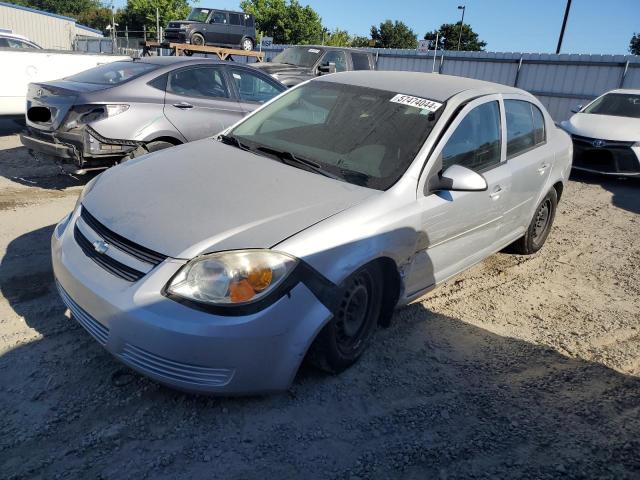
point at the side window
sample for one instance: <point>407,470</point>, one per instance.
<point>248,21</point>
<point>204,82</point>
<point>234,19</point>
<point>252,87</point>
<point>19,44</point>
<point>219,17</point>
<point>475,143</point>
<point>539,132</point>
<point>360,61</point>
<point>520,134</point>
<point>337,57</point>
<point>160,82</point>
<point>4,43</point>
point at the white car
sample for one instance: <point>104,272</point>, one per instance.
<point>606,134</point>
<point>28,63</point>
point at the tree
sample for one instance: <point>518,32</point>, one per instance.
<point>97,18</point>
<point>287,22</point>
<point>70,8</point>
<point>338,38</point>
<point>634,44</point>
<point>143,12</point>
<point>360,41</point>
<point>393,35</point>
<point>448,38</point>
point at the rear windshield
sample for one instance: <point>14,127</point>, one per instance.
<point>301,56</point>
<point>199,14</point>
<point>616,104</point>
<point>112,73</point>
<point>362,135</point>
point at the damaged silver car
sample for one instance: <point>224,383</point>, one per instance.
<point>125,109</point>
<point>296,232</point>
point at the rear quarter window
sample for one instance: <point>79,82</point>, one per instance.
<point>113,73</point>
<point>360,61</point>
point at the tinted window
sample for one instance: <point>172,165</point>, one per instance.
<point>252,87</point>
<point>360,61</point>
<point>199,14</point>
<point>248,20</point>
<point>475,143</point>
<point>357,133</point>
<point>616,104</point>
<point>14,43</point>
<point>113,73</point>
<point>539,133</point>
<point>520,135</point>
<point>160,82</point>
<point>302,56</point>
<point>218,17</point>
<point>339,58</point>
<point>198,82</point>
<point>234,19</point>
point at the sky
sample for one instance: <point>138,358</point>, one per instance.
<point>594,26</point>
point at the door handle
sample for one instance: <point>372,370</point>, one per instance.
<point>495,194</point>
<point>183,105</point>
<point>543,168</point>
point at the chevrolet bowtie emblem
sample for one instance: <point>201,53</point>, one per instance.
<point>100,246</point>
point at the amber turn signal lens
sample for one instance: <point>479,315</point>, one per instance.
<point>260,278</point>
<point>241,291</point>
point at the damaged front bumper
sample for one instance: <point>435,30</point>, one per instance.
<point>82,145</point>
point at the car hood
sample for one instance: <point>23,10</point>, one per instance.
<point>605,127</point>
<point>206,196</point>
<point>281,68</point>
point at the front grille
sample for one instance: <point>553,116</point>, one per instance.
<point>90,324</point>
<point>152,364</point>
<point>141,253</point>
<point>607,156</point>
<point>609,144</point>
<point>111,265</point>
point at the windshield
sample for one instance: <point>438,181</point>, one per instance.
<point>301,56</point>
<point>199,14</point>
<point>361,135</point>
<point>616,104</point>
<point>113,73</point>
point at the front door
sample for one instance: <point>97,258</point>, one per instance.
<point>199,102</point>
<point>253,88</point>
<point>217,32</point>
<point>457,229</point>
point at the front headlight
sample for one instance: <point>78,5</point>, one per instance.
<point>637,144</point>
<point>183,26</point>
<point>231,278</point>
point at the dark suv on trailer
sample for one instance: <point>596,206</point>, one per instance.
<point>296,64</point>
<point>208,26</point>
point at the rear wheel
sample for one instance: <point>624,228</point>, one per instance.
<point>247,44</point>
<point>540,226</point>
<point>347,335</point>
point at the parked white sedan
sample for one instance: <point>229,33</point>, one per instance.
<point>606,134</point>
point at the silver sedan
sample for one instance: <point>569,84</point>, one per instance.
<point>219,265</point>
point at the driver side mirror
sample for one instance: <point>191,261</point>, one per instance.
<point>576,109</point>
<point>328,68</point>
<point>457,178</point>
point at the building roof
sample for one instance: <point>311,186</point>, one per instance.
<point>48,14</point>
<point>434,86</point>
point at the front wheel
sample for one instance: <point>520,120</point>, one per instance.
<point>148,148</point>
<point>343,340</point>
<point>540,226</point>
<point>247,44</point>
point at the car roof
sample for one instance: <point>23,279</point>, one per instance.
<point>170,60</point>
<point>223,10</point>
<point>14,35</point>
<point>632,91</point>
<point>434,86</point>
<point>326,47</point>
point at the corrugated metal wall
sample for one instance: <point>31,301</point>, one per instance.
<point>47,30</point>
<point>561,82</point>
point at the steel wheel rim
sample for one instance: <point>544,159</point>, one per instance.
<point>353,315</point>
<point>247,44</point>
<point>541,221</point>
<point>197,40</point>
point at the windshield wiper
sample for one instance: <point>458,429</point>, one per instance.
<point>231,140</point>
<point>296,161</point>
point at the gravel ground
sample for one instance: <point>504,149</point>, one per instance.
<point>522,367</point>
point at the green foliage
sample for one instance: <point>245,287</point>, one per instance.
<point>360,41</point>
<point>338,38</point>
<point>143,12</point>
<point>393,35</point>
<point>448,38</point>
<point>634,44</point>
<point>287,22</point>
<point>97,18</point>
<point>71,8</point>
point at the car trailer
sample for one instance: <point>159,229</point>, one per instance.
<point>188,49</point>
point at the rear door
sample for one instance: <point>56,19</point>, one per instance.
<point>529,157</point>
<point>460,228</point>
<point>236,28</point>
<point>217,32</point>
<point>253,88</point>
<point>199,102</point>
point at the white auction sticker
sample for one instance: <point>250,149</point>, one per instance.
<point>417,102</point>
<point>314,50</point>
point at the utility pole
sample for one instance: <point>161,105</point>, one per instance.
<point>435,52</point>
<point>564,25</point>
<point>158,25</point>
<point>463,8</point>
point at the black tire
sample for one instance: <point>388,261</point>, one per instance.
<point>343,340</point>
<point>539,228</point>
<point>148,148</point>
<point>197,39</point>
<point>247,44</point>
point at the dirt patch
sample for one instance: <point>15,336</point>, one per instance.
<point>522,367</point>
